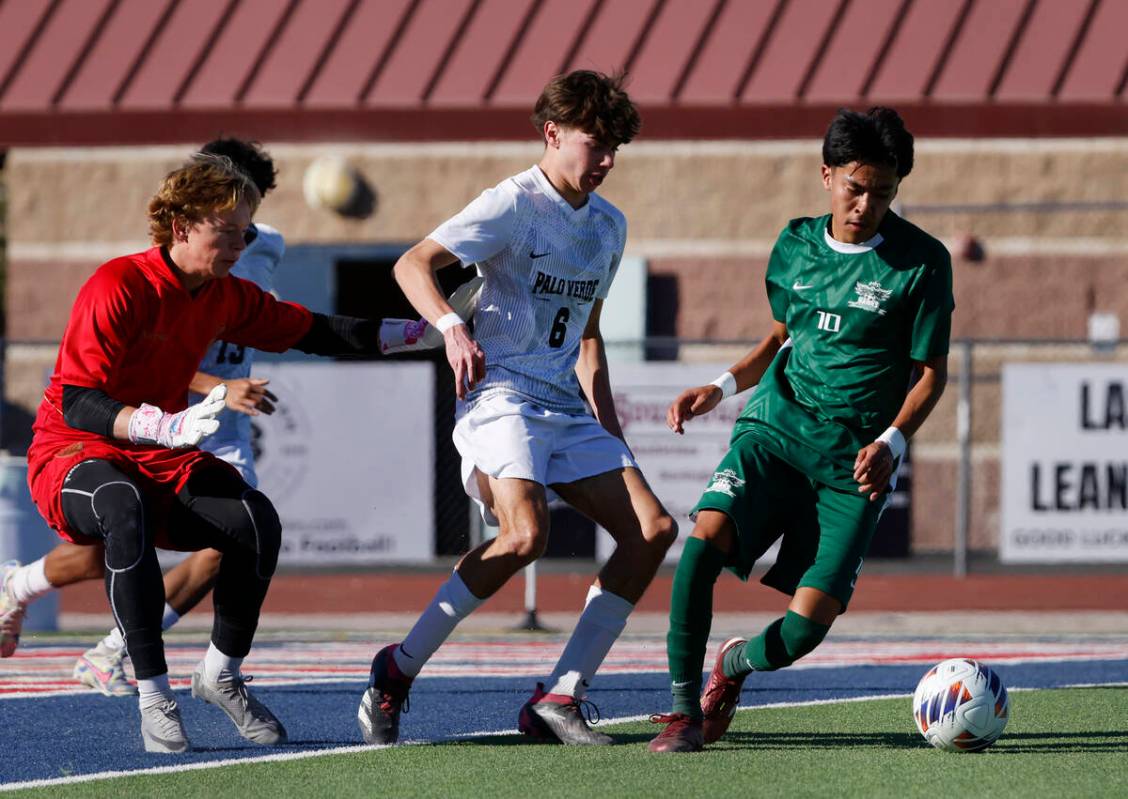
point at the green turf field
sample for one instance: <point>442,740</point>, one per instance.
<point>1064,742</point>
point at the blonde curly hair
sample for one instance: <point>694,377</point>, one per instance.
<point>205,185</point>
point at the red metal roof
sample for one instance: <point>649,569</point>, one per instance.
<point>104,71</point>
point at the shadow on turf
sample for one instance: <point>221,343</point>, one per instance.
<point>1103,741</point>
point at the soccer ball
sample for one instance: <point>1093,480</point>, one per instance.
<point>329,182</point>
<point>960,705</point>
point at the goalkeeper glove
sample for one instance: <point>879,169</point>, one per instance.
<point>150,425</point>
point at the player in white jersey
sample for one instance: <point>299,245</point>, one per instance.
<point>547,247</point>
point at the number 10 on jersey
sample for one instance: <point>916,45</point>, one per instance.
<point>830,322</point>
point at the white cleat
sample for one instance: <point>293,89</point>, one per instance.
<point>161,727</point>
<point>11,611</point>
<point>229,693</point>
<point>102,669</point>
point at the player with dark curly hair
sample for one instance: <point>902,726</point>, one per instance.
<point>862,303</point>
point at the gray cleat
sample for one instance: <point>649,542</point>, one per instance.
<point>161,727</point>
<point>384,700</point>
<point>554,718</point>
<point>229,693</point>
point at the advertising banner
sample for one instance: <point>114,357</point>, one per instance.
<point>678,468</point>
<point>348,460</point>
<point>1065,463</point>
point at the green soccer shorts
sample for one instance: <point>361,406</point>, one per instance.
<point>826,532</point>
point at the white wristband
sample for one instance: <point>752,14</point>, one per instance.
<point>726,383</point>
<point>895,440</point>
<point>448,321</point>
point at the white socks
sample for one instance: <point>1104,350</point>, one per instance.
<point>154,689</point>
<point>217,664</point>
<point>604,617</point>
<point>451,604</point>
<point>29,582</point>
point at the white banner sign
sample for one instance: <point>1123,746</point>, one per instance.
<point>1065,463</point>
<point>677,467</point>
<point>348,461</point>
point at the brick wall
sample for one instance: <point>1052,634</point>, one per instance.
<point>703,214</point>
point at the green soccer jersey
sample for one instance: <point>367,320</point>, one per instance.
<point>858,317</point>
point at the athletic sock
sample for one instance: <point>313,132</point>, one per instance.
<point>691,617</point>
<point>169,618</point>
<point>153,689</point>
<point>781,643</point>
<point>218,665</point>
<point>604,617</point>
<point>453,602</point>
<point>29,582</point>
<point>113,641</point>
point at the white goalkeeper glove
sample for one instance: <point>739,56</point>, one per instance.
<point>150,425</point>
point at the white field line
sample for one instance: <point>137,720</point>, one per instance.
<point>342,750</point>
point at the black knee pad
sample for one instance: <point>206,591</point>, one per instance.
<point>266,531</point>
<point>121,515</point>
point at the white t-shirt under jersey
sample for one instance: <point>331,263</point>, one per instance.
<point>544,264</point>
<point>257,264</point>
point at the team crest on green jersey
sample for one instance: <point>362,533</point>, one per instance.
<point>724,482</point>
<point>870,297</point>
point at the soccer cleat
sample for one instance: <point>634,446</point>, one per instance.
<point>229,693</point>
<point>558,718</point>
<point>415,335</point>
<point>11,611</point>
<point>161,727</point>
<point>101,668</point>
<point>682,734</point>
<point>721,696</point>
<point>385,699</point>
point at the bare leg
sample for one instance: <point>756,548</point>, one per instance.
<point>522,510</point>
<point>69,563</point>
<point>622,503</point>
<point>815,605</point>
<point>190,580</point>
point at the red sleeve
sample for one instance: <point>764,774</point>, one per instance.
<point>256,319</point>
<point>107,316</point>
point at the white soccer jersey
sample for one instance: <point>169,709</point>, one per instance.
<point>230,361</point>
<point>544,264</point>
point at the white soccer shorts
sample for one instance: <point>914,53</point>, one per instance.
<point>505,436</point>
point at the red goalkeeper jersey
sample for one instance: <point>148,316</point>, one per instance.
<point>136,334</point>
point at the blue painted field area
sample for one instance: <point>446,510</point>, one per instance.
<point>316,687</point>
<point>51,736</point>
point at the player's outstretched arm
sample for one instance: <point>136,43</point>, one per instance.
<point>875,463</point>
<point>743,375</point>
<point>247,395</point>
<point>415,273</point>
<point>94,411</point>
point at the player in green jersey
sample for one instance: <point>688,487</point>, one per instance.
<point>862,303</point>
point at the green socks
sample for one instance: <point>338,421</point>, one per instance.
<point>691,616</point>
<point>780,644</point>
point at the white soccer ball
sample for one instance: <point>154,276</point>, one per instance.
<point>329,182</point>
<point>960,705</point>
